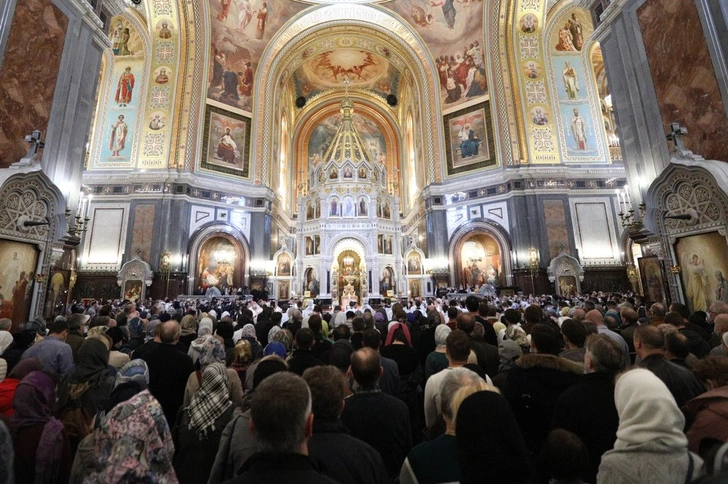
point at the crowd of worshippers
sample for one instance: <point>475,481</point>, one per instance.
<point>596,389</point>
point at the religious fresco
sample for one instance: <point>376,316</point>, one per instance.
<point>284,265</point>
<point>240,32</point>
<point>226,142</point>
<point>17,279</point>
<point>217,264</point>
<point>363,69</point>
<point>118,131</point>
<point>703,269</point>
<point>480,260</point>
<point>453,31</point>
<point>323,135</point>
<point>581,134</point>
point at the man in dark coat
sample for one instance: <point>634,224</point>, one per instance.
<point>303,358</point>
<point>587,408</point>
<point>343,457</point>
<point>169,369</point>
<point>487,354</point>
<point>535,383</point>
<point>378,419</point>
<point>649,343</point>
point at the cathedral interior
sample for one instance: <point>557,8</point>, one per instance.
<point>361,150</point>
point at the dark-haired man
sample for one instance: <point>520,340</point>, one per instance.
<point>53,351</point>
<point>282,421</point>
<point>303,358</point>
<point>347,459</point>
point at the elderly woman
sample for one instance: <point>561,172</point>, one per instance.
<point>88,385</point>
<point>42,448</point>
<point>437,360</point>
<point>132,444</point>
<point>213,351</point>
<point>200,426</point>
<point>651,446</point>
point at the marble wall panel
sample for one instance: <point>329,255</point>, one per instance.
<point>28,74</point>
<point>143,230</point>
<point>683,75</point>
<point>556,229</point>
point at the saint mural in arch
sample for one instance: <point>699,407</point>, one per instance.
<point>481,261</point>
<point>218,266</point>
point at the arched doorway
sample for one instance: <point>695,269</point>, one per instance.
<point>220,265</point>
<point>479,261</point>
<point>349,272</point>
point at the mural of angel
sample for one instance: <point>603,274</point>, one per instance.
<point>697,282</point>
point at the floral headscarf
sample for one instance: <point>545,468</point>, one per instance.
<point>212,351</point>
<point>249,332</point>
<point>132,444</point>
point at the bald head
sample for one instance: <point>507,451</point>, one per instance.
<point>579,314</point>
<point>366,367</point>
<point>595,317</point>
<point>648,340</point>
<point>658,310</point>
<point>169,332</point>
<point>721,323</point>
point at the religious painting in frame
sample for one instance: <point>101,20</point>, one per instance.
<point>284,265</point>
<point>703,262</point>
<point>653,281</point>
<point>469,139</point>
<point>226,142</point>
<point>18,262</point>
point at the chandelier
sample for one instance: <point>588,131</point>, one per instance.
<point>348,260</point>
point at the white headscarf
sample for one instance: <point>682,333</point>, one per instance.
<point>647,412</point>
<point>5,340</point>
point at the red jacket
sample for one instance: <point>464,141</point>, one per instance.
<point>7,391</point>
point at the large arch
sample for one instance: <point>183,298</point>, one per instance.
<point>392,31</point>
<point>465,232</point>
<point>204,234</point>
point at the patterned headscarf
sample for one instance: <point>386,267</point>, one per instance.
<point>284,336</point>
<point>132,444</point>
<point>249,332</point>
<point>189,325</point>
<point>33,400</point>
<point>212,351</point>
<point>136,370</point>
<point>273,331</point>
<point>205,327</point>
<point>210,401</point>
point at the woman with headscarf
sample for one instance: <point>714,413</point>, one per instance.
<point>131,379</point>
<point>10,384</point>
<point>490,445</point>
<point>200,426</point>
<point>651,446</point>
<point>249,334</point>
<point>42,447</point>
<point>189,329</point>
<point>6,339</point>
<point>242,358</point>
<point>437,360</point>
<point>213,351</point>
<point>132,444</point>
<point>87,386</point>
<point>398,346</point>
<point>22,340</point>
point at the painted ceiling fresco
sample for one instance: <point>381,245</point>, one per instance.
<point>453,31</point>
<point>241,29</point>
<point>323,134</point>
<point>363,69</point>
